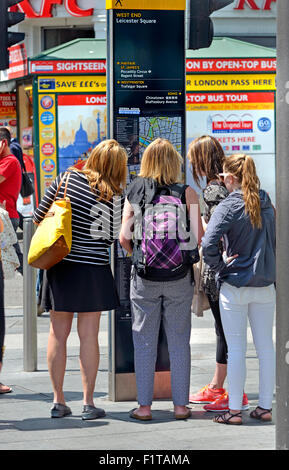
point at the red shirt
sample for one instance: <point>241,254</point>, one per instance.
<point>10,168</point>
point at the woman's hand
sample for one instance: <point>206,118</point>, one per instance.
<point>228,259</point>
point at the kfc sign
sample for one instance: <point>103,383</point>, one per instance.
<point>241,4</point>
<point>46,8</point>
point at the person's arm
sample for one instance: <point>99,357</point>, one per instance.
<point>218,226</point>
<point>193,207</point>
<point>125,236</point>
<point>46,201</point>
<point>2,178</point>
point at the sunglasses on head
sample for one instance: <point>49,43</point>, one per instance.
<point>222,176</point>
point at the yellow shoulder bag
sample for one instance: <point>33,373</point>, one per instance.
<point>53,237</point>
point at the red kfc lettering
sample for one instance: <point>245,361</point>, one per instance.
<point>46,8</point>
<point>26,8</point>
<point>250,3</point>
<point>267,4</point>
<point>72,8</point>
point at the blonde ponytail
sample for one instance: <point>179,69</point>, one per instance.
<point>250,188</point>
<point>243,168</point>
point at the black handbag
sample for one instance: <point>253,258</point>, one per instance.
<point>27,187</point>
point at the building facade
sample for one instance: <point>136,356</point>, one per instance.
<point>49,23</point>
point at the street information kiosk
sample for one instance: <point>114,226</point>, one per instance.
<point>146,100</point>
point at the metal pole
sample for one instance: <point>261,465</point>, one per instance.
<point>29,303</point>
<point>282,199</point>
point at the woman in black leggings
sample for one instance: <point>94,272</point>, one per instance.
<point>206,157</point>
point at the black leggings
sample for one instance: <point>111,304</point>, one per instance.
<point>222,350</point>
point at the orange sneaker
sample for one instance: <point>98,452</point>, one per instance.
<point>206,395</point>
<point>222,403</point>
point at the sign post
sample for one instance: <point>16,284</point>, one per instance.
<point>146,100</point>
<point>282,174</point>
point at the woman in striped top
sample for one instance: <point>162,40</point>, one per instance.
<point>83,281</point>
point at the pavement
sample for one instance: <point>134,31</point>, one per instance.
<point>25,422</point>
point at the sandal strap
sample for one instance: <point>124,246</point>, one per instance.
<point>264,411</point>
<point>231,415</point>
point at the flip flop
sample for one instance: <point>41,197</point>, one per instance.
<point>186,415</point>
<point>7,390</point>
<point>133,415</point>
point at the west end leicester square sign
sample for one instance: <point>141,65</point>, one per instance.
<point>78,8</point>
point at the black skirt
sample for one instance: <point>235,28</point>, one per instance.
<point>79,287</point>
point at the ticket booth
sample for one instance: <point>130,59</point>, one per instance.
<point>69,86</point>
<point>231,96</point>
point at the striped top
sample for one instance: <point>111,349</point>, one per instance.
<point>95,224</point>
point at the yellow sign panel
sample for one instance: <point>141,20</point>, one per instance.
<point>72,84</point>
<point>224,82</point>
<point>145,4</point>
<point>47,140</point>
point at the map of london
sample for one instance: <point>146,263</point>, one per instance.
<point>150,128</point>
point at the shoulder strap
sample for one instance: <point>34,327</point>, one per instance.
<point>67,175</point>
<point>179,189</point>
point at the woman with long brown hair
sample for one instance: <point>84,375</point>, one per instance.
<point>206,157</point>
<point>83,281</point>
<point>245,221</point>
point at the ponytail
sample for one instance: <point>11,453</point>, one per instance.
<point>250,188</point>
<point>243,167</point>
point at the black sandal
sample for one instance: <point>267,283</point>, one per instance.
<point>260,416</point>
<point>221,419</point>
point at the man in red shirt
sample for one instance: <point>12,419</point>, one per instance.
<point>10,183</point>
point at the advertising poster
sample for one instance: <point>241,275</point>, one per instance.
<point>243,122</point>
<point>47,140</point>
<point>72,120</point>
<point>8,111</point>
<point>81,126</point>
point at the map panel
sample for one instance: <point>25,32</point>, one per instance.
<point>150,128</point>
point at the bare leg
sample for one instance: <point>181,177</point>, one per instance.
<point>60,327</point>
<point>88,328</point>
<point>220,376</point>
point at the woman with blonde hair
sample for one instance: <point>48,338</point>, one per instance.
<point>83,281</point>
<point>245,221</point>
<point>163,216</point>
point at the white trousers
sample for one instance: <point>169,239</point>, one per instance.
<point>257,304</point>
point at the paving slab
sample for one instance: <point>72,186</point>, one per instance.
<point>25,413</point>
